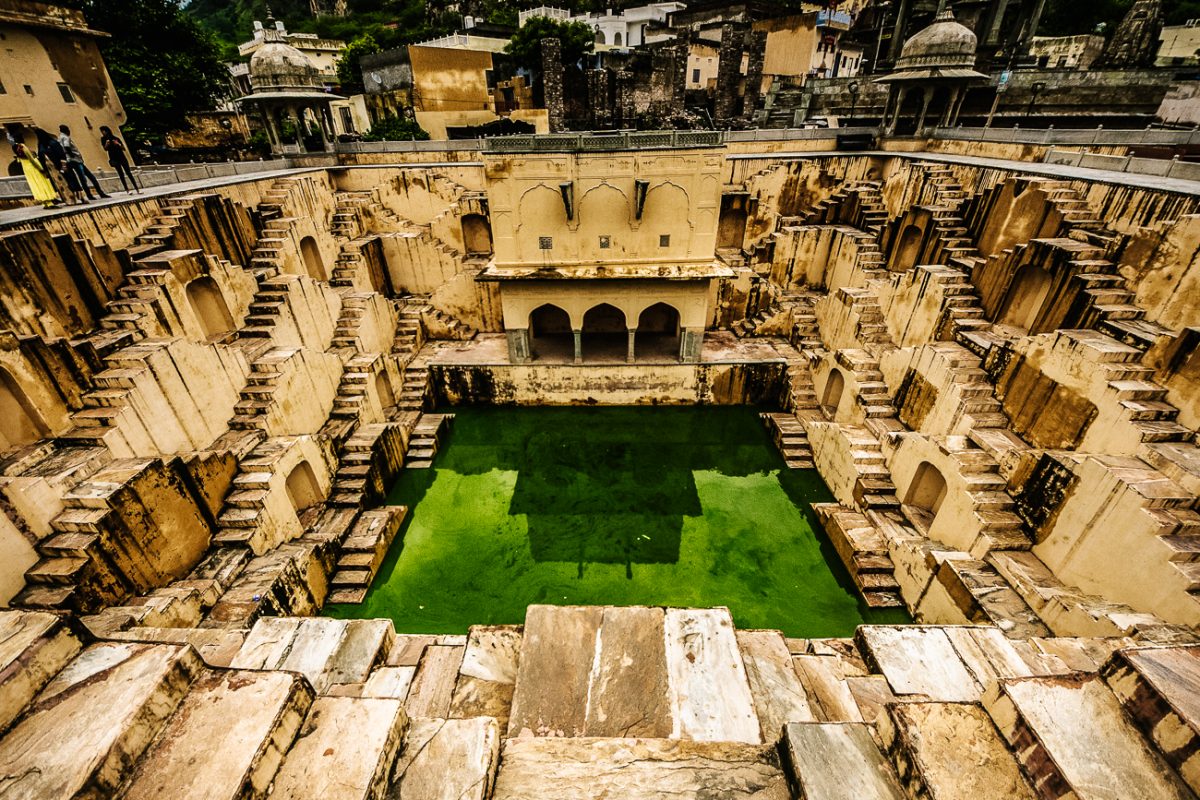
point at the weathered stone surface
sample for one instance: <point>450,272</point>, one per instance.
<point>94,720</point>
<point>33,647</point>
<point>389,682</point>
<point>488,674</point>
<point>838,761</point>
<point>226,740</point>
<point>710,696</point>
<point>824,682</point>
<point>447,759</point>
<point>344,751</point>
<point>1072,738</point>
<point>637,769</point>
<point>950,751</point>
<point>919,661</point>
<point>627,694</point>
<point>433,686</point>
<point>779,697</point>
<point>557,651</point>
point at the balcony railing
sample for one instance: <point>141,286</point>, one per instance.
<point>597,142</point>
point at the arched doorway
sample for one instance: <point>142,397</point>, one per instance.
<point>907,248</point>
<point>383,389</point>
<point>658,332</point>
<point>302,487</point>
<point>605,335</point>
<point>20,422</point>
<point>312,258</point>
<point>925,494</point>
<point>550,336</point>
<point>617,39</point>
<point>1026,295</point>
<point>832,397</point>
<point>209,307</point>
<point>477,234</point>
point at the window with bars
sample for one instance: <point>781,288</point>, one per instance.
<point>545,243</point>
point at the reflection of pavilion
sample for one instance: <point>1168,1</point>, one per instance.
<point>605,315</point>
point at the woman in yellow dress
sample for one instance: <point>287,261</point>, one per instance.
<point>39,183</point>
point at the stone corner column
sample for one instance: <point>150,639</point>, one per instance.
<point>518,345</point>
<point>629,355</point>
<point>578,335</point>
<point>690,341</point>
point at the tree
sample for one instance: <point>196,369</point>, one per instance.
<point>163,65</point>
<point>577,39</point>
<point>394,129</point>
<point>348,72</point>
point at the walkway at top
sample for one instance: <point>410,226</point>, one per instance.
<point>33,214</point>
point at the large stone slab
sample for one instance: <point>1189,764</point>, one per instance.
<point>918,661</point>
<point>447,759</point>
<point>779,697</point>
<point>433,686</point>
<point>94,721</point>
<point>226,740</point>
<point>950,751</point>
<point>1159,688</point>
<point>1072,738</point>
<point>488,674</point>
<point>827,688</point>
<point>838,761</point>
<point>34,646</point>
<point>637,769</point>
<point>555,671</point>
<point>628,692</point>
<point>709,692</point>
<point>344,751</point>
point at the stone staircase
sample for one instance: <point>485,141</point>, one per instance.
<point>790,439</point>
<point>160,233</point>
<point>367,463</point>
<point>410,334</point>
<point>872,396</point>
<point>858,204</point>
<point>426,438</point>
<point>363,551</point>
<point>415,390</point>
<point>864,552</point>
<point>588,703</point>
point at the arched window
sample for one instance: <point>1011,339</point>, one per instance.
<point>925,495</point>
<point>617,39</point>
<point>731,229</point>
<point>550,336</point>
<point>312,258</point>
<point>908,248</point>
<point>209,307</point>
<point>302,487</point>
<point>383,388</point>
<point>1026,295</point>
<point>477,234</point>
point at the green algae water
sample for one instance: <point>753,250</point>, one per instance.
<point>688,506</point>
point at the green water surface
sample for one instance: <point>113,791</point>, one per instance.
<point>611,506</point>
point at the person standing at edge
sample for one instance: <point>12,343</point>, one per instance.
<point>39,183</point>
<point>54,159</point>
<point>76,165</point>
<point>117,157</point>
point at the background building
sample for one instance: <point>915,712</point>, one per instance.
<point>52,73</point>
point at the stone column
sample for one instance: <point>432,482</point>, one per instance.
<point>552,82</point>
<point>690,340</point>
<point>679,78</point>
<point>754,73</point>
<point>626,111</point>
<point>632,334</point>
<point>729,66</point>
<point>600,97</point>
<point>519,351</point>
<point>578,346</point>
<point>926,96</point>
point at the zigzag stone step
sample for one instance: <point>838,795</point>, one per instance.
<point>637,769</point>
<point>838,761</point>
<point>447,759</point>
<point>1073,740</point>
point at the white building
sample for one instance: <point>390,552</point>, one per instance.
<point>1179,44</point>
<point>323,53</point>
<point>625,29</point>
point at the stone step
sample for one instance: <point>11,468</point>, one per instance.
<point>226,739</point>
<point>637,769</point>
<point>779,697</point>
<point>950,750</point>
<point>95,719</point>
<point>1073,739</point>
<point>327,652</point>
<point>344,751</point>
<point>1159,688</point>
<point>838,761</point>
<point>448,759</point>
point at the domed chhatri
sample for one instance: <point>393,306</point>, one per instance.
<point>279,65</point>
<point>939,62</point>
<point>946,44</point>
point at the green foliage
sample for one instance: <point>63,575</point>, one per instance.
<point>525,47</point>
<point>394,129</point>
<point>162,63</point>
<point>1072,17</point>
<point>349,74</point>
